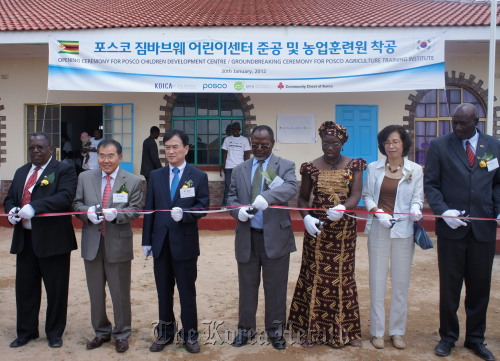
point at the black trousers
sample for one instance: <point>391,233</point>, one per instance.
<point>464,261</point>
<point>168,272</point>
<point>30,271</point>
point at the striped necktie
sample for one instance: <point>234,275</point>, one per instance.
<point>26,199</point>
<point>470,153</point>
<point>105,199</point>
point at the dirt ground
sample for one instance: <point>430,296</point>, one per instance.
<point>218,309</point>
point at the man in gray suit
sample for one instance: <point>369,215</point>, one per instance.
<point>462,178</point>
<point>265,239</point>
<point>107,241</point>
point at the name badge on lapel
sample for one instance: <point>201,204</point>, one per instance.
<point>187,192</point>
<point>120,197</point>
<point>492,164</point>
<point>277,181</point>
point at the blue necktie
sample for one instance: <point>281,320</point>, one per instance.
<point>175,183</point>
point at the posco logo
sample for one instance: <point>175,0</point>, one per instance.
<point>214,86</point>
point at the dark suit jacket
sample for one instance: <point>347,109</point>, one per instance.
<point>150,158</point>
<point>451,183</point>
<point>278,234</point>
<point>50,235</point>
<point>183,235</point>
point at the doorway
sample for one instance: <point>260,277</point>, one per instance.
<point>65,123</point>
<point>74,121</point>
<point>361,122</point>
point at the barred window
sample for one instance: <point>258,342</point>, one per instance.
<point>204,118</point>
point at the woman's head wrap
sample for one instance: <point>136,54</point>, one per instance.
<point>335,129</point>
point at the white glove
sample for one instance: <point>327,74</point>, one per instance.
<point>454,223</point>
<point>335,213</point>
<point>416,213</point>
<point>146,250</point>
<point>498,217</point>
<point>176,214</point>
<point>110,214</point>
<point>260,203</point>
<point>27,212</point>
<point>310,222</point>
<point>92,215</point>
<point>384,218</point>
<point>243,216</point>
<point>14,219</point>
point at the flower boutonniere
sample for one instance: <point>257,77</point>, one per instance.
<point>48,179</point>
<point>348,177</point>
<point>123,188</point>
<point>187,184</point>
<point>409,176</point>
<point>485,159</point>
<point>269,175</point>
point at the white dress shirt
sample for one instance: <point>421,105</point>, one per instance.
<point>27,222</point>
<point>181,171</point>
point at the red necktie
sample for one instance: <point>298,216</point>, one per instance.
<point>470,153</point>
<point>26,199</point>
<point>105,198</point>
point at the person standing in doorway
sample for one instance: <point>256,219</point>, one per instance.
<point>150,158</point>
<point>235,150</point>
<point>94,142</point>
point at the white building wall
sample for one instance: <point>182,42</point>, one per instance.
<point>27,84</point>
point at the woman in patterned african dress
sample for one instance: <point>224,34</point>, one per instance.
<point>325,307</point>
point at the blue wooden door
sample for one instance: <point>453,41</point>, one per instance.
<point>118,120</point>
<point>361,122</point>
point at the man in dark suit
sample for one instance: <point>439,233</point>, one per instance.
<point>462,178</point>
<point>43,245</point>
<point>264,240</point>
<point>150,159</point>
<point>172,238</point>
<point>107,241</point>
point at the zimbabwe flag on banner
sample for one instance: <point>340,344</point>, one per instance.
<point>69,47</point>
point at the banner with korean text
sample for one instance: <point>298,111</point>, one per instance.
<point>281,62</point>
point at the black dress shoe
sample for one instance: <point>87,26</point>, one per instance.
<point>278,342</point>
<point>21,341</point>
<point>160,344</point>
<point>121,345</point>
<point>192,346</point>
<point>242,339</point>
<point>443,348</point>
<point>97,342</point>
<point>480,350</point>
<point>55,342</point>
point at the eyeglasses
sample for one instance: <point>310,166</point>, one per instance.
<point>393,142</point>
<point>261,146</point>
<point>334,144</point>
<point>107,157</point>
<point>38,147</point>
